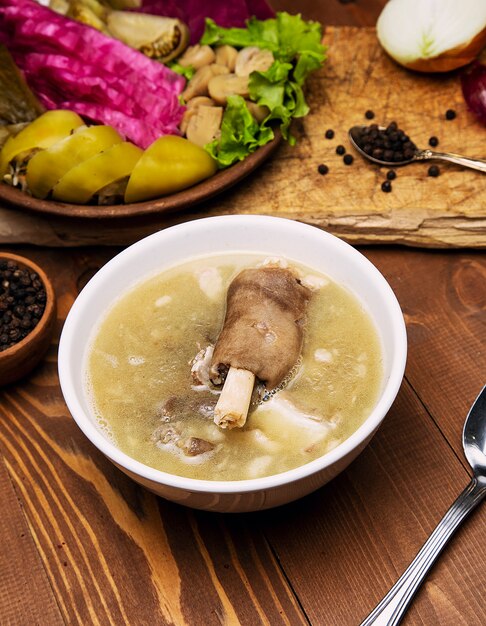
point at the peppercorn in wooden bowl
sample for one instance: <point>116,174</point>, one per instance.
<point>27,316</point>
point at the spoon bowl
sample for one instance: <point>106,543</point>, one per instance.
<point>392,608</point>
<point>354,137</point>
<point>474,436</point>
<point>419,154</point>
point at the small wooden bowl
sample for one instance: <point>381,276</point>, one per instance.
<point>21,358</point>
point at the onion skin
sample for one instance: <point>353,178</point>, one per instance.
<point>451,59</point>
<point>473,82</point>
<point>432,35</point>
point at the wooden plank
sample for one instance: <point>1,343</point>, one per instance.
<point>26,596</point>
<point>336,12</point>
<point>244,572</point>
<point>448,211</point>
<point>444,304</point>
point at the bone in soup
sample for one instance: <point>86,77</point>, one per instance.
<point>149,375</point>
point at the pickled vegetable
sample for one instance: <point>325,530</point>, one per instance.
<point>89,12</point>
<point>43,132</point>
<point>161,38</point>
<point>169,165</point>
<point>71,66</point>
<point>46,168</point>
<point>17,102</point>
<point>83,181</point>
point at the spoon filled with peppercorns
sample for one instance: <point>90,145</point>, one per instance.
<point>391,146</point>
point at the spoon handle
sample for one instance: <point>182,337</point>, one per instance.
<point>391,609</point>
<point>475,164</point>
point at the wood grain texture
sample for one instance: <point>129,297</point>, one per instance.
<point>23,599</point>
<point>448,211</point>
<point>336,12</point>
<point>444,303</point>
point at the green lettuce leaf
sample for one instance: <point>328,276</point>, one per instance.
<point>187,72</point>
<point>283,96</point>
<point>297,50</point>
<point>257,33</point>
<point>240,134</point>
<point>287,36</point>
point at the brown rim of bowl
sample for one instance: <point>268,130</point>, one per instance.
<point>49,309</point>
<point>221,181</point>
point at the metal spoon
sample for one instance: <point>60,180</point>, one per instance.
<point>391,609</point>
<point>419,155</point>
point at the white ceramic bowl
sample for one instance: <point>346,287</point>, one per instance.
<point>270,236</point>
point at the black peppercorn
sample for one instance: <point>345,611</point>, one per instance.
<point>386,186</point>
<point>433,141</point>
<point>348,159</point>
<point>322,169</point>
<point>450,114</point>
<point>434,171</point>
<point>329,134</point>
<point>391,174</point>
<point>369,114</point>
<point>340,150</point>
<point>389,144</point>
<point>22,303</point>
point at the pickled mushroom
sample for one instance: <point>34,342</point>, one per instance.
<point>197,56</point>
<point>253,59</point>
<point>261,337</point>
<point>204,125</point>
<point>226,55</point>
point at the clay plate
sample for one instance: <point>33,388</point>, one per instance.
<point>178,201</point>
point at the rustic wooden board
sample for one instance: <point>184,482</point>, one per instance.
<point>448,211</point>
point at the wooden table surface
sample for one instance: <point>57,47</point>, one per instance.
<point>83,544</point>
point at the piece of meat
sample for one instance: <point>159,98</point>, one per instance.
<point>194,446</point>
<point>263,327</point>
<point>172,435</point>
<point>177,407</point>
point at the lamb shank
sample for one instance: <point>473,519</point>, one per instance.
<point>261,338</point>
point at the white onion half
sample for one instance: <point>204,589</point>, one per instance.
<point>433,35</point>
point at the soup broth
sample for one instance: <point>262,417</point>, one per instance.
<point>145,398</point>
